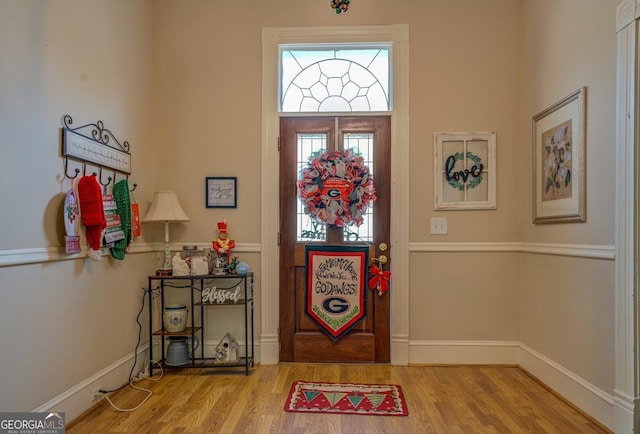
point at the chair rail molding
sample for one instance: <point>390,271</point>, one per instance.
<point>575,250</point>
<point>13,257</point>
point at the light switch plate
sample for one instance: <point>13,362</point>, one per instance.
<point>438,225</point>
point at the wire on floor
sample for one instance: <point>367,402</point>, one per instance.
<point>132,384</point>
<point>133,379</point>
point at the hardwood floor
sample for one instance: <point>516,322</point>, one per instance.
<point>441,399</point>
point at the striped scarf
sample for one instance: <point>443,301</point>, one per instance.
<point>123,204</point>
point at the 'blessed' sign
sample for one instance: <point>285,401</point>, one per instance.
<point>220,296</point>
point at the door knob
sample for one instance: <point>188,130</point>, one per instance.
<point>382,259</point>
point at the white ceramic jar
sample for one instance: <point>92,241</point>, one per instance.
<point>175,318</point>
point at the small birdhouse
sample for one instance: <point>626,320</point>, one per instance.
<point>227,350</point>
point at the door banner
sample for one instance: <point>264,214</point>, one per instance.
<point>336,286</point>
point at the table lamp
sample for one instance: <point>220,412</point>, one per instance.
<point>165,208</point>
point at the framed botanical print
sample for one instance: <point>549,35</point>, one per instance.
<point>465,170</point>
<point>559,181</point>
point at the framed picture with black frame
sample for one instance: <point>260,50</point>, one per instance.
<point>221,192</point>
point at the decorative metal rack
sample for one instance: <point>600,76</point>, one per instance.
<point>91,144</point>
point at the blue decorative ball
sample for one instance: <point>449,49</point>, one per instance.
<point>242,268</point>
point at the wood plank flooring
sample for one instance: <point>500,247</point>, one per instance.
<point>441,399</point>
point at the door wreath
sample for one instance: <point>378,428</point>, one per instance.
<point>336,188</point>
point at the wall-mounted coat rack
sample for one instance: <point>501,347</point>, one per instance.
<point>96,146</point>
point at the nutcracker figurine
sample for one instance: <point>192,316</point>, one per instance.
<point>223,245</point>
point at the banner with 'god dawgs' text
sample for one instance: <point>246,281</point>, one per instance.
<point>336,286</point>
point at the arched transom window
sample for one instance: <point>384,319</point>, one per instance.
<point>336,78</point>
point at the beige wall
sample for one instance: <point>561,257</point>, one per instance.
<point>209,99</point>
<point>64,321</point>
<point>91,60</point>
<point>567,304</point>
<point>181,82</point>
<point>465,76</point>
<point>558,58</point>
<point>475,301</point>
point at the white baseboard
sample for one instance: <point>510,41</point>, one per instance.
<point>464,352</point>
<point>592,400</point>
<point>400,350</point>
<point>77,399</point>
<point>269,349</point>
<point>623,406</point>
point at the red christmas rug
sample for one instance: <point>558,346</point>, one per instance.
<point>345,398</point>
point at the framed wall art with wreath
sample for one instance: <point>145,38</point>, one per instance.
<point>465,170</point>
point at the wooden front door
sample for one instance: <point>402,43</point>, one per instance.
<point>301,340</point>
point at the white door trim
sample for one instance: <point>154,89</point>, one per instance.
<point>398,34</point>
<point>625,393</point>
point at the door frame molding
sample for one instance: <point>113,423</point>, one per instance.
<point>626,394</point>
<point>398,35</point>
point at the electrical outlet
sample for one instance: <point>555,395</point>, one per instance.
<point>95,393</point>
<point>439,225</point>
<point>142,375</point>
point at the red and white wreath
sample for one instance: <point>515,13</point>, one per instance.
<point>336,188</point>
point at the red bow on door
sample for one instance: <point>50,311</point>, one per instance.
<point>379,279</point>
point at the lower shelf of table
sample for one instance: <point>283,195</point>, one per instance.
<point>186,332</point>
<point>212,363</point>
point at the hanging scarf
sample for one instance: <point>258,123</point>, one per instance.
<point>123,205</point>
<point>92,214</point>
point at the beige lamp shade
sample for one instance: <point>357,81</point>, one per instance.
<point>165,208</point>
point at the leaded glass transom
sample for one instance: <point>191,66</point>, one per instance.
<point>335,79</point>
